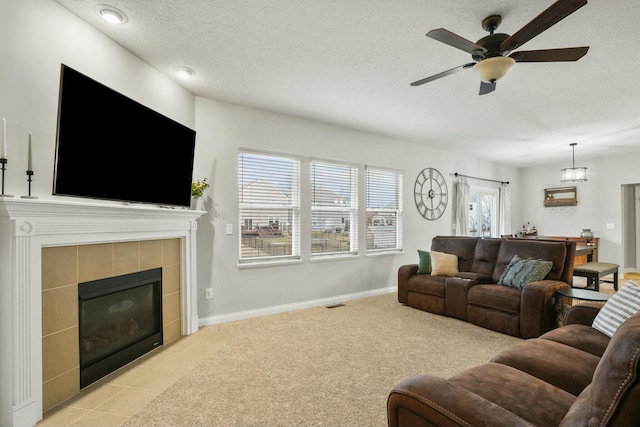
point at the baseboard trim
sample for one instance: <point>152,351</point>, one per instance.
<point>247,314</point>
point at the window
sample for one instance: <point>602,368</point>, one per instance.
<point>334,209</point>
<point>269,201</point>
<point>483,210</point>
<point>384,210</point>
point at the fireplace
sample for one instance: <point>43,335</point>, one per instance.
<point>39,356</point>
<point>120,319</point>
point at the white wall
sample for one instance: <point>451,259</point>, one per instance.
<point>37,36</point>
<point>225,128</point>
<point>599,201</point>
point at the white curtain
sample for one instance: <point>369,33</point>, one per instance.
<point>462,210</point>
<point>504,214</point>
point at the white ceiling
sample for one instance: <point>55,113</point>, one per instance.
<point>350,63</point>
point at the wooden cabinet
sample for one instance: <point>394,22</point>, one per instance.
<point>588,242</point>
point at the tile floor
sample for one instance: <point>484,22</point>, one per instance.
<point>111,401</point>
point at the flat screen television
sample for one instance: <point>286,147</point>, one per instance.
<point>111,147</point>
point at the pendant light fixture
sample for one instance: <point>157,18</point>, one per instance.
<point>574,174</point>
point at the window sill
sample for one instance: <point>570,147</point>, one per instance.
<point>384,253</point>
<point>320,258</point>
<point>260,264</point>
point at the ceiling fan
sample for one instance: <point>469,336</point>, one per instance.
<point>494,54</point>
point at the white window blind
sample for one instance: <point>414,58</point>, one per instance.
<point>384,210</point>
<point>269,202</point>
<point>334,209</point>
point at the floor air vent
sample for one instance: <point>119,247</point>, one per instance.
<point>335,306</point>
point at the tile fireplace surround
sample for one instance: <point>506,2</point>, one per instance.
<point>29,226</point>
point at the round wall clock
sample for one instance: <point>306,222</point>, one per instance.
<point>430,193</point>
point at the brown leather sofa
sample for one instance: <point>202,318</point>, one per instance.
<point>474,295</point>
<point>571,376</point>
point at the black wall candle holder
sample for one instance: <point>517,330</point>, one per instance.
<point>3,167</point>
<point>29,196</point>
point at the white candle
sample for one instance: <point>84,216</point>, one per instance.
<point>29,167</point>
<point>3,143</point>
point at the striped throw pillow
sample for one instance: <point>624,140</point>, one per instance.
<point>622,305</point>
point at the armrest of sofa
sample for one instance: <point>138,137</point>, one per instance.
<point>456,299</point>
<point>404,273</point>
<point>426,400</point>
<point>538,307</point>
<point>583,313</point>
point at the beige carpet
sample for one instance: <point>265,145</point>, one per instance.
<point>319,366</point>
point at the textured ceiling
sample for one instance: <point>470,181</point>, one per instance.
<point>350,62</point>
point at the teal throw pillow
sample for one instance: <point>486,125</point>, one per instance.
<point>424,262</point>
<point>521,271</point>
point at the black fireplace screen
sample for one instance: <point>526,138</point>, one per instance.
<point>120,320</point>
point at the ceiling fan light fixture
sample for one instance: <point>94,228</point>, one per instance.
<point>494,68</point>
<point>574,174</point>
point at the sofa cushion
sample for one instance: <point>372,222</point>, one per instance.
<point>443,264</point>
<point>537,401</point>
<point>622,305</point>
<point>427,284</point>
<point>461,246</point>
<point>555,252</point>
<point>521,271</point>
<point>428,400</point>
<point>547,360</point>
<point>484,259</point>
<point>582,337</point>
<point>424,262</point>
<point>496,297</point>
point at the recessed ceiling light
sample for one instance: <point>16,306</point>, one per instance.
<point>184,72</point>
<point>111,14</point>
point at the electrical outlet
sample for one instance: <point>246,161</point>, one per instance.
<point>610,226</point>
<point>229,229</point>
<point>208,293</point>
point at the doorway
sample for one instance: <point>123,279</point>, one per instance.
<point>631,227</point>
<point>483,212</point>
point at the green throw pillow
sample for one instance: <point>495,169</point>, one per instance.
<point>521,271</point>
<point>424,262</point>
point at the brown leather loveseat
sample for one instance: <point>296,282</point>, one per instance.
<point>473,294</point>
<point>572,376</point>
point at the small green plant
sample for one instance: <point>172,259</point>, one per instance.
<point>198,187</point>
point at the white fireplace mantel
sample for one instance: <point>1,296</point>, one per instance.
<point>27,226</point>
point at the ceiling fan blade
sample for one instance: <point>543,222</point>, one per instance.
<point>486,88</point>
<point>452,39</point>
<point>551,16</point>
<point>442,74</point>
<point>550,55</point>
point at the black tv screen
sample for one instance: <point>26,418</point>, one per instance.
<point>109,146</point>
